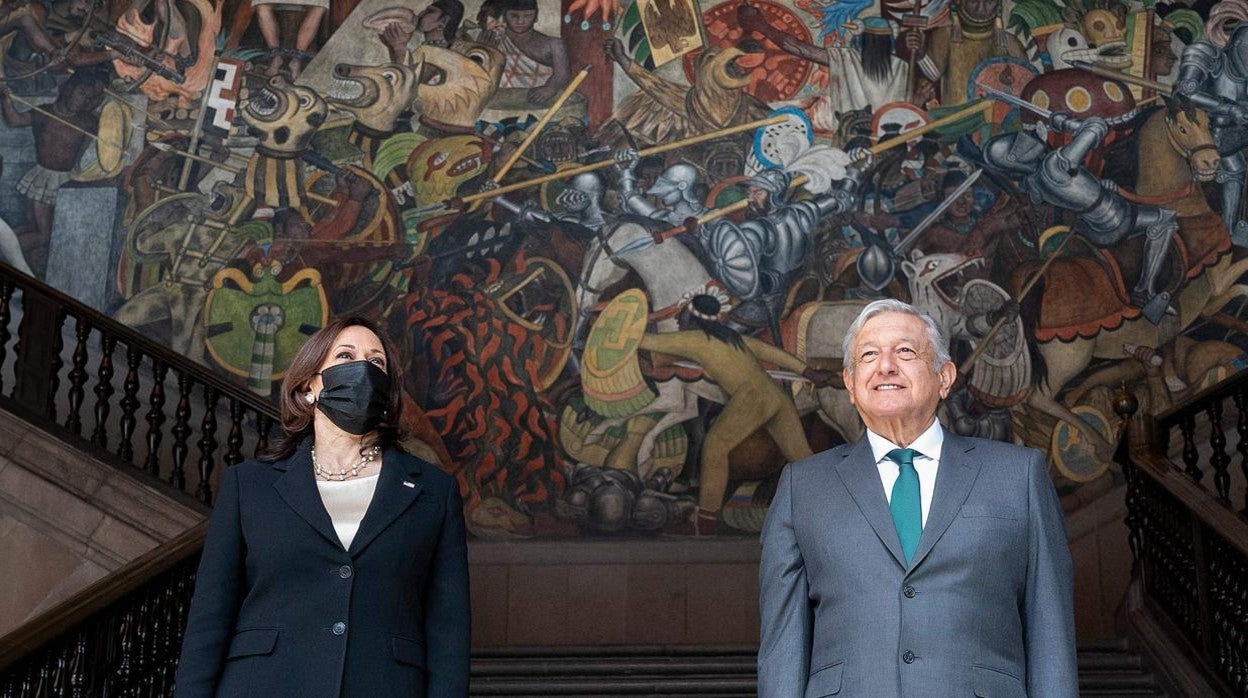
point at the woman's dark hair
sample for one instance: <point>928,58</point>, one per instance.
<point>297,413</point>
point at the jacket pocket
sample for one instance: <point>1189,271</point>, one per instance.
<point>988,511</point>
<point>252,642</point>
<point>826,681</point>
<point>994,683</point>
<point>408,651</point>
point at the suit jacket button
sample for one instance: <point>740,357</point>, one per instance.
<point>345,571</point>
<point>908,591</point>
<point>908,657</point>
<point>340,628</point>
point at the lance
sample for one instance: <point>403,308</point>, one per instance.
<point>232,170</point>
<point>593,167</point>
<point>996,326</point>
<point>1161,88</point>
<point>64,122</point>
<point>541,123</point>
<point>1016,102</point>
<point>799,180</point>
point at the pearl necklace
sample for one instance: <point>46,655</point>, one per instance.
<point>369,456</point>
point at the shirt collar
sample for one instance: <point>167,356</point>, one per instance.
<point>929,443</point>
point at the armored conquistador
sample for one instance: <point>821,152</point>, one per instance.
<point>1216,79</point>
<point>1057,177</point>
<point>676,188</point>
<point>580,203</point>
<point>758,259</point>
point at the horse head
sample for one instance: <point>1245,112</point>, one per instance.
<point>1187,127</point>
<point>936,281</point>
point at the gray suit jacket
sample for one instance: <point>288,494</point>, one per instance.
<point>985,609</point>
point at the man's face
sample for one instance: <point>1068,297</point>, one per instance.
<point>520,21</point>
<point>892,379</point>
<point>1163,57</point>
<point>757,197</point>
<point>430,20</point>
<point>979,10</point>
<point>77,9</point>
<point>963,206</point>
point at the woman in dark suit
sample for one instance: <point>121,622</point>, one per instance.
<point>336,565</point>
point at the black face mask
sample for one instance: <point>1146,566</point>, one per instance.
<point>354,396</point>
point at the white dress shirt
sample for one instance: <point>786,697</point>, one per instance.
<point>347,501</point>
<point>926,462</point>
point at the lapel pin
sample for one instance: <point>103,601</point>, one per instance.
<point>409,483</point>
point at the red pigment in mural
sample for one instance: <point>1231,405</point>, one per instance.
<point>779,76</point>
<point>482,398</point>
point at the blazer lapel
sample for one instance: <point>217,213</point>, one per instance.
<point>861,477</point>
<point>397,487</point>
<point>298,488</point>
<point>957,473</point>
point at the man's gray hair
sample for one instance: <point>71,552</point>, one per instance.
<point>936,336</point>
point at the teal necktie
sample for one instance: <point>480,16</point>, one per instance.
<point>905,504</point>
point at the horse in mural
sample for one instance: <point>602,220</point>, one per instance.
<point>1082,311</point>
<point>668,271</point>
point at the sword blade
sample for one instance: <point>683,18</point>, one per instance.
<point>936,214</point>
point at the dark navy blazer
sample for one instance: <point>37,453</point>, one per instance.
<point>281,609</point>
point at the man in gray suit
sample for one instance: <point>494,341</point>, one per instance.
<point>914,562</point>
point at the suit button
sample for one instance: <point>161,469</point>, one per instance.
<point>908,591</point>
<point>340,628</point>
<point>345,571</point>
<point>908,657</point>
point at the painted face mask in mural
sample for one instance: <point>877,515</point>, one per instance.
<point>355,396</point>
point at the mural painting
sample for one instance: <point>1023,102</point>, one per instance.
<point>621,241</point>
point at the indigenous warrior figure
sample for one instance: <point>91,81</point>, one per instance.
<point>534,60</point>
<point>1058,177</point>
<point>949,54</point>
<point>1216,79</point>
<point>60,131</point>
<point>775,245</point>
<point>864,74</point>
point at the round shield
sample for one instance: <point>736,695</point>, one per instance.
<point>1005,73</point>
<point>254,328</point>
<point>542,281</point>
<point>111,149</point>
<point>1075,454</point>
<point>610,373</point>
<point>733,258</point>
<point>1001,376</point>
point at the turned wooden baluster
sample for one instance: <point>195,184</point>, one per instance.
<point>1191,458</point>
<point>103,390</point>
<point>263,424</point>
<point>6,297</point>
<point>78,666</point>
<point>1220,459</point>
<point>1241,428</point>
<point>181,430</point>
<point>207,445</point>
<point>129,403</point>
<point>156,416</point>
<point>234,442</point>
<point>78,376</point>
<point>55,362</point>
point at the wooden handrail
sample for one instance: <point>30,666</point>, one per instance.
<point>1203,504</point>
<point>1198,402</point>
<point>77,609</point>
<point>202,374</point>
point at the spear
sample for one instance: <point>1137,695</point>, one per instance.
<point>592,167</point>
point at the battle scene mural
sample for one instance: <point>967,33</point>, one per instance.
<point>620,241</point>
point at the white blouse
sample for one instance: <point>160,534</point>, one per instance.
<point>346,501</point>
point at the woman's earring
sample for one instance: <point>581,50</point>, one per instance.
<point>309,398</point>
